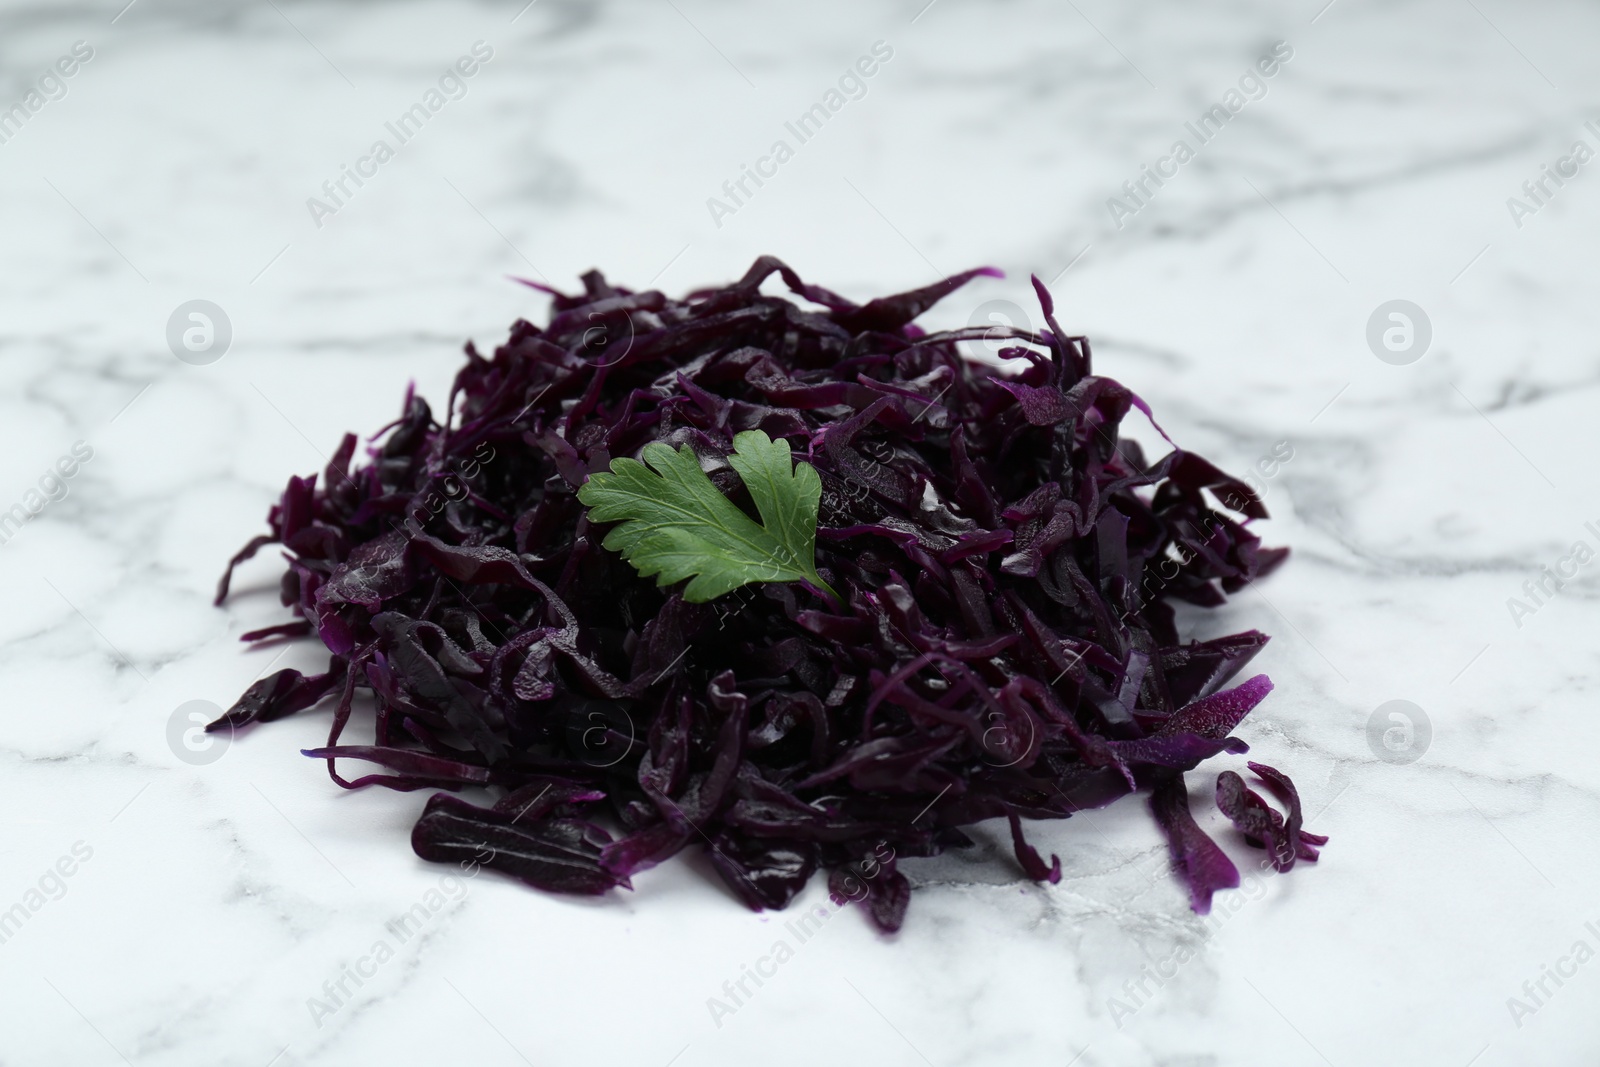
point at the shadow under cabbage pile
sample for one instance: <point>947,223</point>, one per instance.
<point>1001,641</point>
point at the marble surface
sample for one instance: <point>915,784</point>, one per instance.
<point>208,903</point>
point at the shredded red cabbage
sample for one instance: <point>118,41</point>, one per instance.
<point>1003,644</point>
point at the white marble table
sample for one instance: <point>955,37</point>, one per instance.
<point>207,904</point>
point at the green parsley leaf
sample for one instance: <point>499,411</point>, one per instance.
<point>676,525</point>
